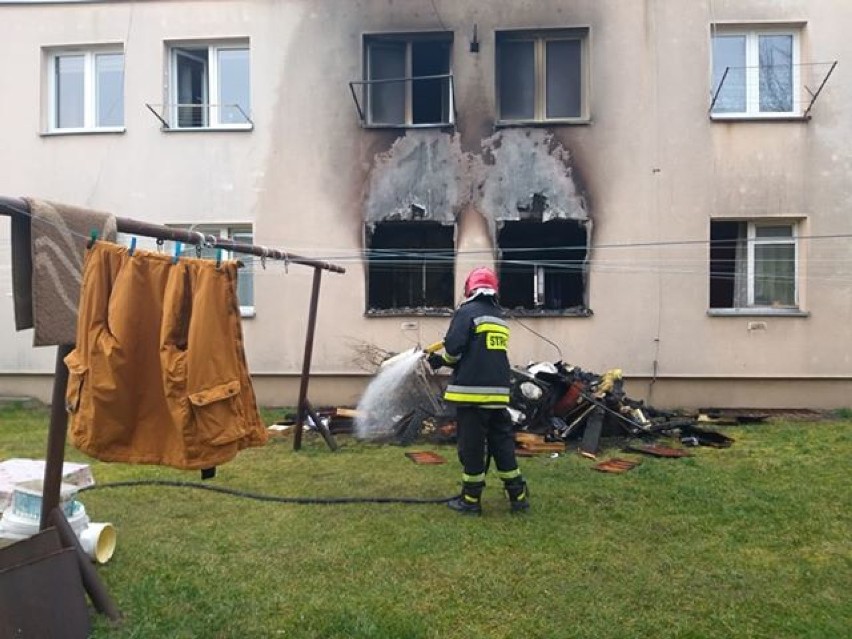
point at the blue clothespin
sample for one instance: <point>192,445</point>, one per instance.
<point>218,257</point>
<point>177,252</point>
<point>93,237</point>
<point>132,245</point>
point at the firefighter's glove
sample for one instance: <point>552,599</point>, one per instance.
<point>436,360</point>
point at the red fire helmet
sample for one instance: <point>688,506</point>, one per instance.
<point>480,278</point>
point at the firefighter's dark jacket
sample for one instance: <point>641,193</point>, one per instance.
<point>475,346</point>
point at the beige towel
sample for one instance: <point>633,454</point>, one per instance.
<point>59,235</point>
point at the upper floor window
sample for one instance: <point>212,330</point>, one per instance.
<point>407,80</point>
<point>209,86</point>
<point>753,265</point>
<point>541,75</point>
<point>755,72</point>
<point>86,90</point>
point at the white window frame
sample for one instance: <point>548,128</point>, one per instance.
<point>90,88</point>
<point>225,231</point>
<point>540,38</point>
<point>752,71</point>
<point>213,113</point>
<point>754,241</point>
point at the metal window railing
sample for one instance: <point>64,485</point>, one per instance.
<point>198,116</point>
<point>364,106</point>
<point>790,89</point>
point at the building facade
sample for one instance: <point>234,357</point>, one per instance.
<point>661,185</point>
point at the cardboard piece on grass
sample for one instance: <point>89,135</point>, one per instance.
<point>616,465</point>
<point>658,451</point>
<point>425,457</point>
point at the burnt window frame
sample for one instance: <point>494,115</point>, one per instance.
<point>540,38</point>
<point>441,256</point>
<point>504,255</point>
<point>407,39</point>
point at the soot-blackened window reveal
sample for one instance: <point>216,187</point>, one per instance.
<point>410,266</point>
<point>542,265</point>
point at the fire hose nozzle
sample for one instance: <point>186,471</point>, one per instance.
<point>434,348</point>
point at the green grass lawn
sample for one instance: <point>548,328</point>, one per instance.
<point>752,541</point>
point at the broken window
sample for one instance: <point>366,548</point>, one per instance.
<point>755,72</point>
<point>542,265</point>
<point>407,80</point>
<point>210,86</point>
<point>541,75</point>
<point>410,265</point>
<point>753,264</point>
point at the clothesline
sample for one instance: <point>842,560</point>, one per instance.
<point>10,206</point>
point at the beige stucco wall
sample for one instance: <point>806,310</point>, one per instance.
<point>653,167</point>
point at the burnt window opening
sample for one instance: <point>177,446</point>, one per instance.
<point>542,265</point>
<point>407,80</point>
<point>753,264</point>
<point>410,266</point>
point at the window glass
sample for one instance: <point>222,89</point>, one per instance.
<point>233,85</point>
<point>517,80</point>
<point>109,70</point>
<point>776,73</point>
<point>729,52</point>
<point>563,78</point>
<point>774,273</point>
<point>70,91</point>
<point>773,231</point>
<point>430,98</point>
<point>191,87</point>
<point>245,276</point>
<point>387,99</point>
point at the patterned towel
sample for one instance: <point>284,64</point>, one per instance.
<point>47,289</point>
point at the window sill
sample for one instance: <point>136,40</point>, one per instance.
<point>757,312</point>
<point>754,117</point>
<point>563,312</point>
<point>439,125</point>
<point>505,124</point>
<point>247,312</point>
<point>208,129</point>
<point>100,131</point>
<point>408,312</point>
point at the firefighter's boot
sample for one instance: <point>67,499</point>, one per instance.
<point>468,503</point>
<point>519,498</point>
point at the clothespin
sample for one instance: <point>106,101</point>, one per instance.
<point>132,245</point>
<point>160,242</point>
<point>93,237</point>
<point>263,257</point>
<point>177,252</point>
<point>218,257</point>
<point>286,263</point>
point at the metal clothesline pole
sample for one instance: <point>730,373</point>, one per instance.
<point>12,207</point>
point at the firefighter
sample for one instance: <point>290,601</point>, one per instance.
<point>475,347</point>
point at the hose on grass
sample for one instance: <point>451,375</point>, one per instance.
<point>272,498</point>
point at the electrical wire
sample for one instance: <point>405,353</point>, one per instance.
<point>269,498</point>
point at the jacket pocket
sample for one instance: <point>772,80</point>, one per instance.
<point>218,414</point>
<point>77,373</point>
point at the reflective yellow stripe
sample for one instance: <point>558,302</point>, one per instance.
<point>470,499</point>
<point>492,328</point>
<point>509,474</point>
<point>473,479</point>
<point>451,359</point>
<point>475,398</point>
